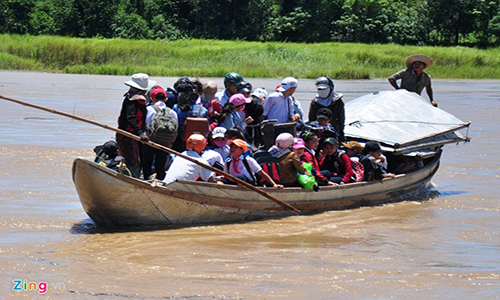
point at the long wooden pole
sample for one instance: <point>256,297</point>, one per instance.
<point>163,148</point>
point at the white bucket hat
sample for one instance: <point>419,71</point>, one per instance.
<point>141,81</point>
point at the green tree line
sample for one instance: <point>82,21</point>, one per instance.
<point>407,22</point>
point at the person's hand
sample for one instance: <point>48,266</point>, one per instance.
<point>329,183</point>
<point>278,186</point>
<point>295,118</point>
<point>144,138</point>
<point>389,175</point>
<point>248,120</point>
<point>321,154</point>
<point>434,103</point>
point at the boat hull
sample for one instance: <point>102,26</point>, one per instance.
<point>113,199</point>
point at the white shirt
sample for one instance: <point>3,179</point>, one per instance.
<point>185,170</point>
<point>384,164</point>
<point>212,157</point>
<point>224,152</point>
<point>252,163</point>
<point>151,112</point>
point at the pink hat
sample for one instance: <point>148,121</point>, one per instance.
<point>299,144</point>
<point>239,99</point>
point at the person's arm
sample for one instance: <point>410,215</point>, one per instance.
<point>341,120</point>
<point>320,177</point>
<point>269,179</point>
<point>346,162</point>
<point>267,106</point>
<point>131,112</point>
<point>394,77</point>
<point>297,164</point>
<point>393,82</point>
<point>428,89</point>
<point>293,116</point>
<point>258,110</point>
<point>217,108</point>
<point>298,107</point>
<point>312,110</point>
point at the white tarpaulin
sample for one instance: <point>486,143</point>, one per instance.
<point>399,118</point>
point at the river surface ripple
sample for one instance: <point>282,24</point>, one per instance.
<point>445,248</point>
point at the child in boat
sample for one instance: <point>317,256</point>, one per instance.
<point>311,145</point>
<point>186,170</point>
<point>219,142</point>
<point>353,149</point>
<point>299,147</point>
<point>288,162</point>
<point>244,168</point>
<point>209,101</point>
<point>230,116</point>
<point>372,163</point>
<point>336,165</point>
<point>108,155</point>
<point>235,133</point>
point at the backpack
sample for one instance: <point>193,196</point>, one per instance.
<point>269,164</point>
<point>163,127</point>
<point>357,167</point>
<point>195,125</point>
<point>359,170</point>
<point>247,167</point>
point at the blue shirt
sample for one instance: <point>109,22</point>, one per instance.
<point>277,107</point>
<point>222,96</point>
<point>233,120</point>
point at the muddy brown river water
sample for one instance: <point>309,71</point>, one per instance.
<point>447,247</point>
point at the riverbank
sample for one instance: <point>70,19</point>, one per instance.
<point>213,58</point>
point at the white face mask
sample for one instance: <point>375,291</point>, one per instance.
<point>324,93</point>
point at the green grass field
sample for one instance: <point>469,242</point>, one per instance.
<point>213,58</point>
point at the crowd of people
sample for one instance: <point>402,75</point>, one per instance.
<point>213,127</point>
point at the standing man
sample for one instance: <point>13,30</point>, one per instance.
<point>133,119</point>
<point>159,133</point>
<point>231,81</point>
<point>414,79</point>
<point>327,97</point>
<point>279,105</point>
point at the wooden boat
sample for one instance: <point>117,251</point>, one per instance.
<point>114,199</point>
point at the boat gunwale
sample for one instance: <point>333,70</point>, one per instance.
<point>202,199</point>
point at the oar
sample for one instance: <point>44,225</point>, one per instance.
<point>166,149</point>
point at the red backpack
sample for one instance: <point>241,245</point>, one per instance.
<point>359,170</point>
<point>357,167</point>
